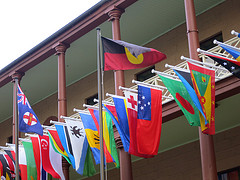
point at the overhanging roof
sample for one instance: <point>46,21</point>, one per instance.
<point>40,65</point>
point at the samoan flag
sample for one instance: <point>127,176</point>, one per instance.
<point>28,121</point>
<point>149,120</point>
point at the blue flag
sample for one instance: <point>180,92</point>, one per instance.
<point>28,121</point>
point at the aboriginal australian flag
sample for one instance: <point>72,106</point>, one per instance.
<point>28,121</point>
<point>120,55</point>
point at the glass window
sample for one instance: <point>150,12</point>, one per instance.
<point>145,74</point>
<point>208,43</point>
<point>230,174</point>
<point>90,99</point>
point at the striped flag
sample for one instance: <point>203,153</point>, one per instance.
<point>31,165</point>
<point>56,144</point>
<point>51,161</point>
<point>65,140</point>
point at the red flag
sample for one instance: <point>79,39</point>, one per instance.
<point>149,120</point>
<point>120,55</point>
<point>37,156</point>
<point>46,159</point>
<point>204,85</point>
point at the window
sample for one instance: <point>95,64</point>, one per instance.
<point>10,139</point>
<point>230,174</point>
<point>146,74</point>
<point>90,99</point>
<point>208,43</point>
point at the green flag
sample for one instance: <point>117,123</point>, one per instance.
<point>112,144</point>
<point>31,165</point>
<point>89,169</point>
<point>183,99</point>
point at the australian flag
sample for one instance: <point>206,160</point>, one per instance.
<point>28,121</point>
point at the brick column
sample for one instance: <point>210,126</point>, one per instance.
<point>208,160</point>
<point>62,99</point>
<point>125,158</point>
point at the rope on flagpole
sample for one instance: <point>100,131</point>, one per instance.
<point>227,45</point>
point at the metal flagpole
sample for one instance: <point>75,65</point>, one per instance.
<point>15,101</point>
<point>102,172</point>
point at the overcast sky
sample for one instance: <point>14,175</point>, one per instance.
<point>25,23</point>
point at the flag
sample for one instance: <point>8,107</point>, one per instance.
<point>183,100</point>
<point>95,117</point>
<point>28,121</point>
<point>51,161</point>
<point>11,166</point>
<point>234,53</point>
<point>132,111</point>
<point>186,79</point>
<point>149,121</point>
<point>120,55</point>
<point>41,173</point>
<point>108,135</point>
<point>11,154</point>
<point>79,145</point>
<point>65,140</point>
<point>5,171</point>
<point>113,114</point>
<point>231,65</point>
<point>37,156</point>
<point>22,161</point>
<point>204,84</point>
<point>92,135</point>
<point>31,165</point>
<point>121,122</point>
<point>56,144</point>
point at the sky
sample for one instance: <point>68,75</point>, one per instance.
<point>26,23</point>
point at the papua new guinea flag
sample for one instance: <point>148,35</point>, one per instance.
<point>28,121</point>
<point>120,55</point>
<point>231,65</point>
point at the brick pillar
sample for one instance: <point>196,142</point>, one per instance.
<point>125,158</point>
<point>62,99</point>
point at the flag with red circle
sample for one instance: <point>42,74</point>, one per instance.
<point>28,121</point>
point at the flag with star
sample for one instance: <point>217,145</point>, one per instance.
<point>28,121</point>
<point>231,65</point>
<point>149,120</point>
<point>233,52</point>
<point>204,85</point>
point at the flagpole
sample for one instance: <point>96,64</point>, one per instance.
<point>15,101</point>
<point>102,172</point>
